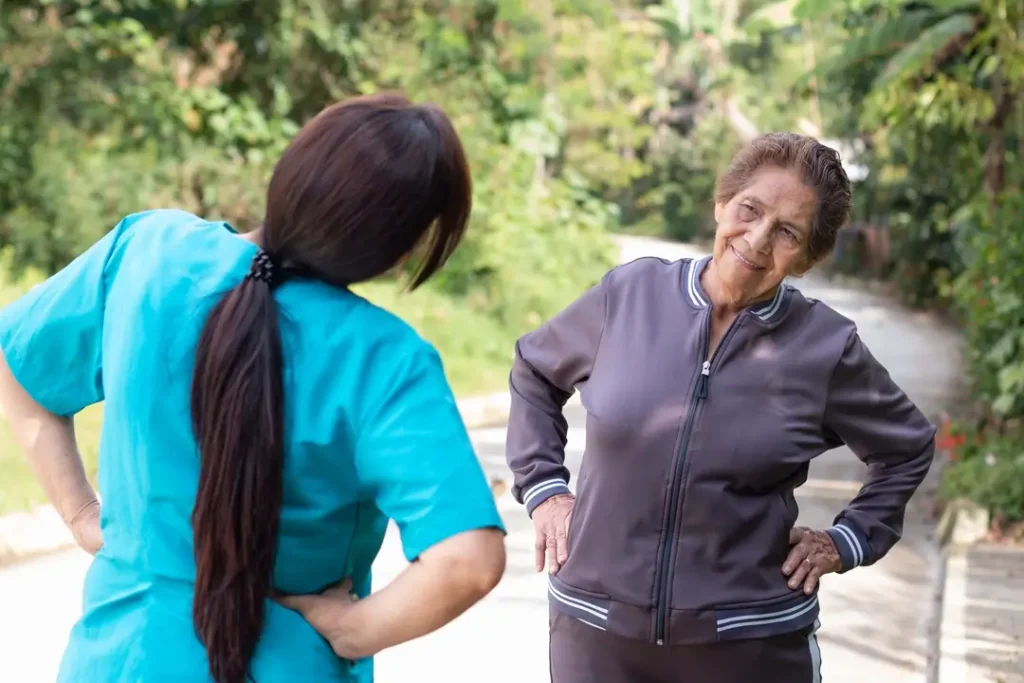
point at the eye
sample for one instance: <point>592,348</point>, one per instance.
<point>790,234</point>
<point>746,212</point>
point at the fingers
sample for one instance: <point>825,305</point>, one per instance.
<point>813,556</point>
<point>551,551</point>
<point>94,540</point>
<point>802,568</point>
<point>800,573</point>
<point>796,555</point>
<point>562,545</point>
<point>540,546</point>
<point>303,603</point>
<point>551,521</point>
<point>339,590</point>
<point>811,582</point>
<point>298,603</point>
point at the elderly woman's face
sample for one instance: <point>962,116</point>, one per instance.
<point>763,231</point>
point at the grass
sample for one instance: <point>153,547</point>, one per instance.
<point>476,351</point>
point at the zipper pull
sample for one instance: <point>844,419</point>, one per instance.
<point>702,383</point>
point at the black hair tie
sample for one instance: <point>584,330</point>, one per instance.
<point>264,269</point>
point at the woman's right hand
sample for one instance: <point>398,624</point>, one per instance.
<point>444,581</point>
<point>551,521</point>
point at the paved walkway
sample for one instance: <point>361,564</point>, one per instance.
<point>876,620</point>
<point>983,617</point>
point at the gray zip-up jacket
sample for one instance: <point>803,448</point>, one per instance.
<point>685,496</point>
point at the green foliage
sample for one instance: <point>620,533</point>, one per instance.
<point>990,298</point>
<point>933,90</point>
<point>580,118</point>
<point>916,57</point>
<point>109,108</point>
<point>989,470</point>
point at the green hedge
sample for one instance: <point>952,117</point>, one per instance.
<point>988,464</point>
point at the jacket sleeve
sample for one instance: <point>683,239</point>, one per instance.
<point>549,363</point>
<point>886,431</point>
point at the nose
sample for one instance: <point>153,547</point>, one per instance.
<point>759,236</point>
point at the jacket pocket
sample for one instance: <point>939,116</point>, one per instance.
<point>584,605</point>
<point>765,618</point>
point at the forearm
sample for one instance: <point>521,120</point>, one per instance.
<point>50,446</point>
<point>536,436</point>
<point>442,584</point>
<point>549,364</point>
<point>873,521</point>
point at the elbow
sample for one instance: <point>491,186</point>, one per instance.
<point>482,571</point>
<point>925,456</point>
<point>476,567</point>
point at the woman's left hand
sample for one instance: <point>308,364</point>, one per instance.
<point>813,555</point>
<point>328,613</point>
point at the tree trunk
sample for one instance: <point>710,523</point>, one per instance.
<point>995,154</point>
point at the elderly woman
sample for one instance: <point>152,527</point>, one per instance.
<point>709,387</point>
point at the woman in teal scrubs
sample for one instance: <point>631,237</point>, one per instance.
<point>262,423</point>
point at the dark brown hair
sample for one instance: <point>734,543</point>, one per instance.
<point>818,165</point>
<point>364,184</point>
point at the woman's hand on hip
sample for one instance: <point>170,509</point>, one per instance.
<point>813,555</point>
<point>85,527</point>
<point>551,521</point>
<point>440,584</point>
<point>326,612</point>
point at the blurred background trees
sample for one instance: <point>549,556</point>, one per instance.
<point>581,118</point>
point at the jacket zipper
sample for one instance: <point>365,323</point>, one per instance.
<point>700,393</point>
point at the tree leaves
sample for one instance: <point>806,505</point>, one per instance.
<point>928,51</point>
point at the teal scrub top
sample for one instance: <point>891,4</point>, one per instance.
<point>373,434</point>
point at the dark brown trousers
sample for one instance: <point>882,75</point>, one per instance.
<point>584,654</point>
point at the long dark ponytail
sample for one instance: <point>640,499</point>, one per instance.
<point>362,185</point>
<point>238,418</point>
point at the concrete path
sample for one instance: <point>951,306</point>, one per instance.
<point>876,620</point>
<point>983,616</point>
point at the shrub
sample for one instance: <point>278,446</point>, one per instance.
<point>989,470</point>
<point>990,300</point>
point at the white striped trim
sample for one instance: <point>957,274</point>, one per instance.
<point>590,608</point>
<point>851,539</point>
<point>584,621</point>
<point>692,287</point>
<point>543,486</point>
<point>812,643</point>
<point>731,623</point>
<point>765,313</point>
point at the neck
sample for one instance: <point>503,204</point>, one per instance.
<point>254,236</point>
<point>724,300</point>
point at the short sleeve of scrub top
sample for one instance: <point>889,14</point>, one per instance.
<point>415,455</point>
<point>52,337</point>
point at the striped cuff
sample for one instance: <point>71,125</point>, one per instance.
<point>851,543</point>
<point>541,491</point>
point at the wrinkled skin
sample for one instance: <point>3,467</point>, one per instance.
<point>813,555</point>
<point>551,521</point>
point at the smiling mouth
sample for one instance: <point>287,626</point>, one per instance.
<point>749,264</point>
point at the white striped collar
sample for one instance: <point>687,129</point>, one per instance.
<point>770,309</point>
<point>695,293</point>
<point>765,311</point>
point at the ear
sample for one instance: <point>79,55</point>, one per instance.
<point>719,208</point>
